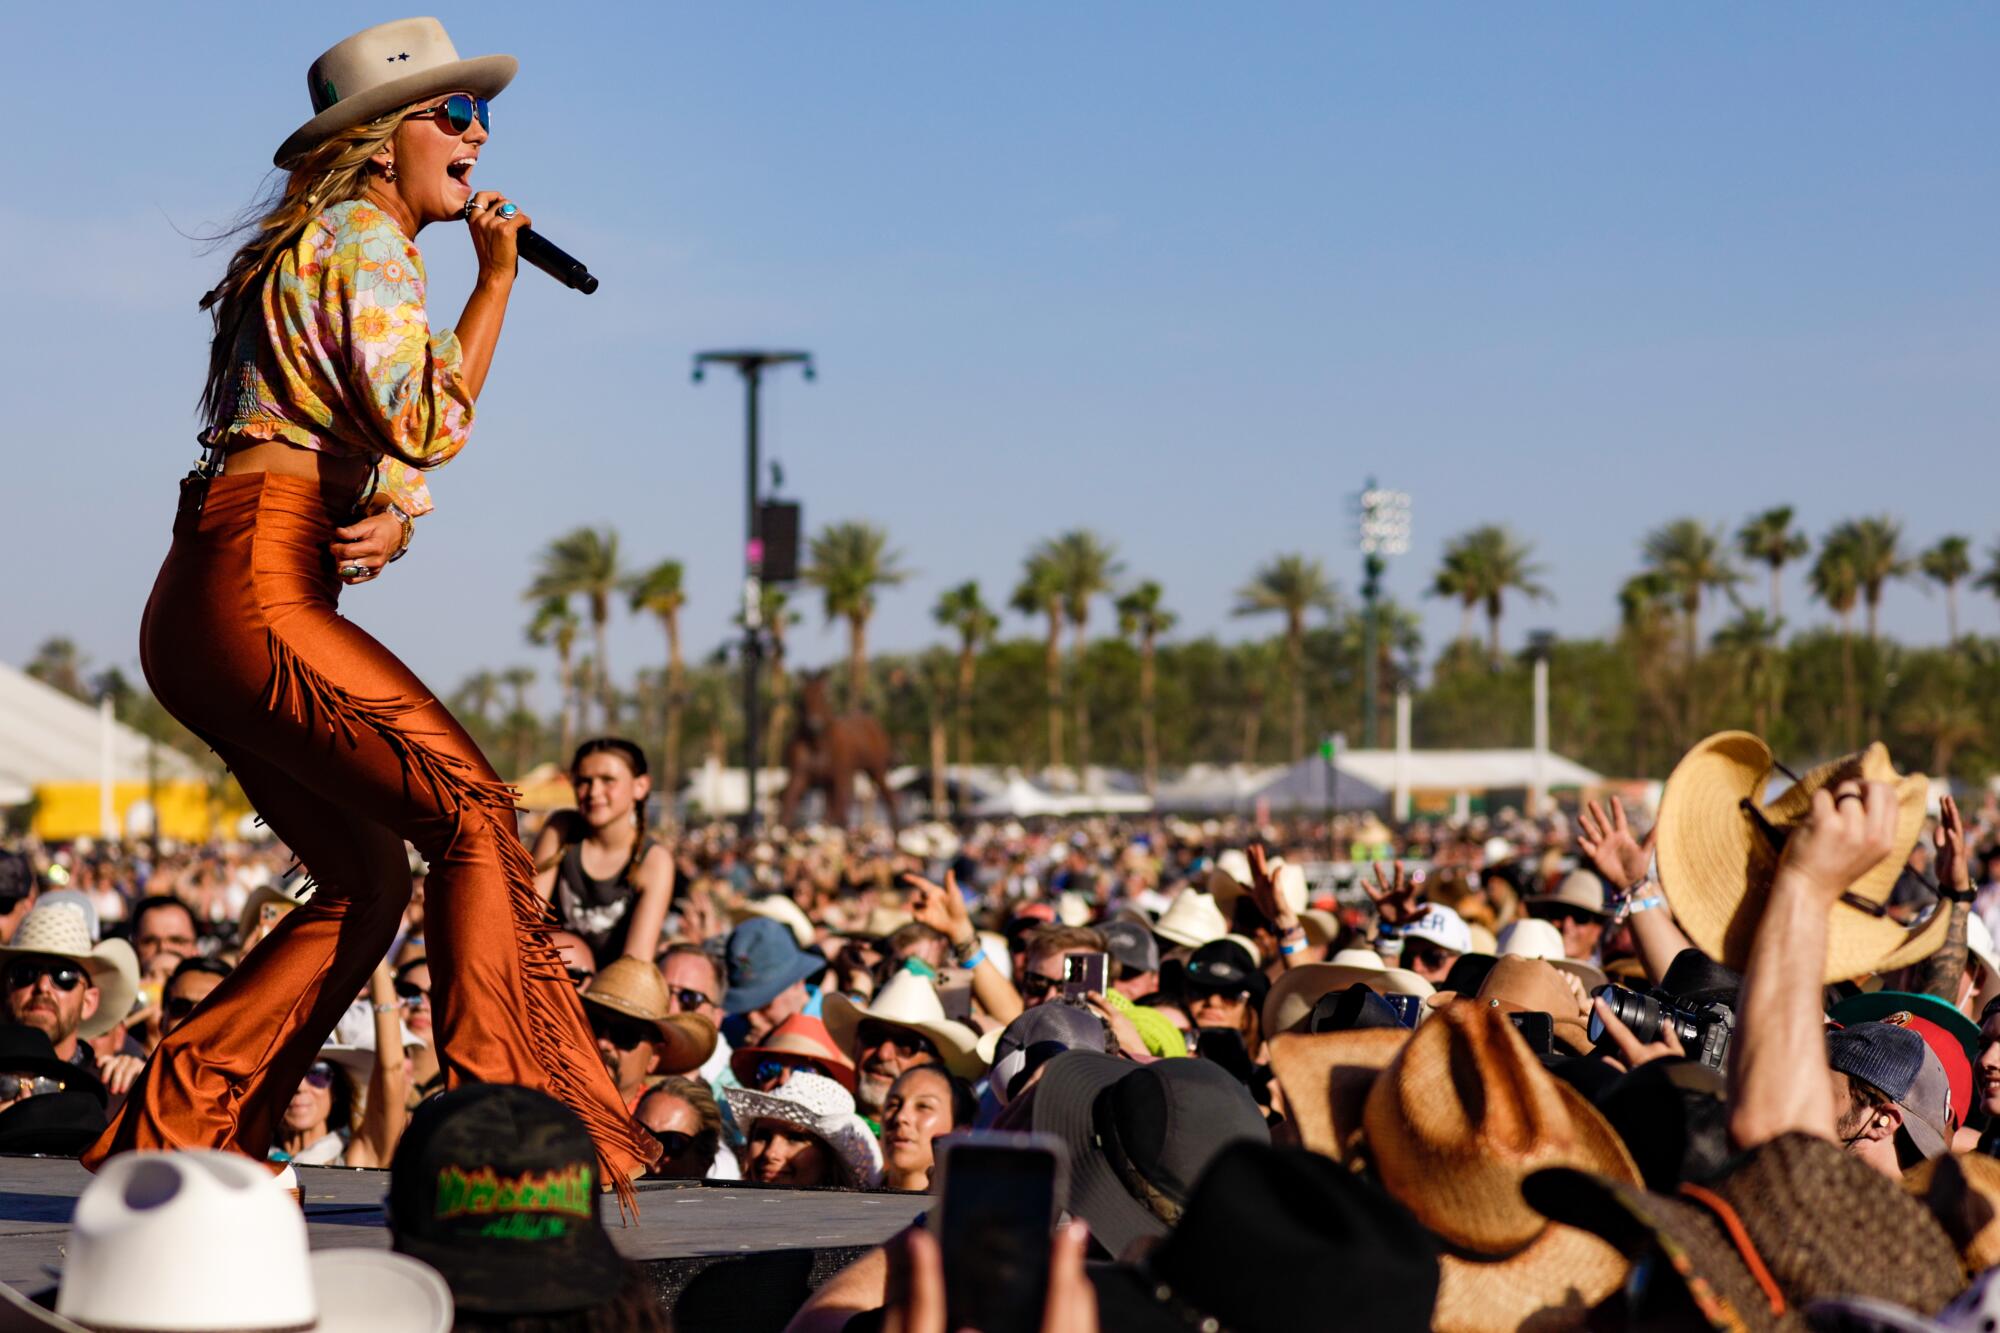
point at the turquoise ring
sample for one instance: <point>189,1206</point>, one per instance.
<point>506,210</point>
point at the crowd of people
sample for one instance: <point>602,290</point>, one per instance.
<point>1739,1068</point>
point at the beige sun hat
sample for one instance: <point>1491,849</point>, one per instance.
<point>61,930</point>
<point>382,68</point>
<point>1298,989</point>
<point>780,908</point>
<point>1192,919</point>
<point>1231,879</point>
<point>1717,863</point>
<point>1532,937</point>
<point>908,1001</point>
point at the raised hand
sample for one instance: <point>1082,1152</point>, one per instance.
<point>940,906</point>
<point>1618,856</point>
<point>1264,892</point>
<point>1395,897</point>
<point>1845,835</point>
<point>1954,870</point>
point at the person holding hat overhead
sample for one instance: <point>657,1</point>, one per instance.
<point>329,392</point>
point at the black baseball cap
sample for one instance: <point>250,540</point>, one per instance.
<point>496,1187</point>
<point>1132,945</point>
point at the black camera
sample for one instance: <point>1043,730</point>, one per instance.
<point>1704,1029</point>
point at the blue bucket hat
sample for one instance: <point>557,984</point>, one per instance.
<point>763,959</point>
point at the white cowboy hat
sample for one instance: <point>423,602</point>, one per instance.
<point>817,1104</point>
<point>60,930</point>
<point>780,908</point>
<point>1294,993</point>
<point>1230,880</point>
<point>1192,919</point>
<point>382,68</point>
<point>1532,937</point>
<point>292,893</point>
<point>181,1240</point>
<point>908,1001</point>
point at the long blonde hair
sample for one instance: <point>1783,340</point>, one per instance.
<point>330,173</point>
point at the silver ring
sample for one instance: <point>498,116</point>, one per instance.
<point>506,210</point>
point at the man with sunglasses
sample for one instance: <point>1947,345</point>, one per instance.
<point>53,978</point>
<point>638,1037</point>
<point>191,981</point>
<point>1434,941</point>
<point>1576,908</point>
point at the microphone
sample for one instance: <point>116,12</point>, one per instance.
<point>550,258</point>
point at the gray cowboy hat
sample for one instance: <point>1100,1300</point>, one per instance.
<point>382,68</point>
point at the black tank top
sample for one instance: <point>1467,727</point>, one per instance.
<point>598,910</point>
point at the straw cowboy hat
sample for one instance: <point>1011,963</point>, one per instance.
<point>1962,1190</point>
<point>1298,989</point>
<point>1717,861</point>
<point>1192,919</point>
<point>1531,937</point>
<point>800,1037</point>
<point>181,1240</point>
<point>1326,1077</point>
<point>779,907</point>
<point>1460,1117</point>
<point>60,930</point>
<point>382,68</point>
<point>292,893</point>
<point>635,988</point>
<point>1516,985</point>
<point>822,1108</point>
<point>908,1001</point>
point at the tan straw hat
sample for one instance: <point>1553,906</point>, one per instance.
<point>1326,1077</point>
<point>1717,862</point>
<point>1298,989</point>
<point>382,68</point>
<point>1458,1120</point>
<point>62,930</point>
<point>635,988</point>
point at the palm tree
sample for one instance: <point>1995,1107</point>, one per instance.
<point>1752,641</point>
<point>850,562</point>
<point>1990,580</point>
<point>1834,580</point>
<point>966,614</point>
<point>1084,567</point>
<point>477,694</point>
<point>1040,594</point>
<point>1949,725</point>
<point>1948,563</point>
<point>1646,609</point>
<point>1692,559</point>
<point>1141,617</point>
<point>519,723</point>
<point>659,592</point>
<point>1874,550</point>
<point>1455,579</point>
<point>584,563</point>
<point>1290,585</point>
<point>555,625</point>
<point>1770,539</point>
<point>59,662</point>
<point>778,619</point>
<point>1481,567</point>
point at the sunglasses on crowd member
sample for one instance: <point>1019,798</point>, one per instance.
<point>411,994</point>
<point>320,1077</point>
<point>1035,986</point>
<point>579,978</point>
<point>1432,956</point>
<point>871,1033</point>
<point>457,112</point>
<point>689,1000</point>
<point>23,973</point>
<point>626,1034</point>
<point>13,1086</point>
<point>772,1070</point>
<point>1559,913</point>
<point>675,1141</point>
<point>1913,901</point>
<point>178,1007</point>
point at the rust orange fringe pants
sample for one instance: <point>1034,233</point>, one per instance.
<point>345,754</point>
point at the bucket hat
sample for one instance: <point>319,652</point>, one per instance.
<point>1297,989</point>
<point>634,988</point>
<point>1261,1220</point>
<point>1157,1125</point>
<point>382,68</point>
<point>1453,1125</point>
<point>1192,919</point>
<point>1531,937</point>
<point>60,930</point>
<point>178,1240</point>
<point>821,1107</point>
<point>762,959</point>
<point>1717,860</point>
<point>907,1001</point>
<point>800,1037</point>
<point>496,1187</point>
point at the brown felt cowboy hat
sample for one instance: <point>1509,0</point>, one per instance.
<point>1515,985</point>
<point>1719,844</point>
<point>385,67</point>
<point>1454,1124</point>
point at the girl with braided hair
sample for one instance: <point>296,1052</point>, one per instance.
<point>609,882</point>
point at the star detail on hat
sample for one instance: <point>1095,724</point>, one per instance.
<point>402,56</point>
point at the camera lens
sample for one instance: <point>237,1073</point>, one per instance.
<point>1641,1013</point>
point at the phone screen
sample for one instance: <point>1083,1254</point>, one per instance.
<point>1000,1195</point>
<point>1085,974</point>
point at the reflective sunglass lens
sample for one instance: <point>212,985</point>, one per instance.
<point>458,112</point>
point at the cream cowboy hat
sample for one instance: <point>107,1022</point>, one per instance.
<point>780,908</point>
<point>1717,861</point>
<point>1231,879</point>
<point>908,1001</point>
<point>60,930</point>
<point>382,68</point>
<point>1192,919</point>
<point>1532,937</point>
<point>1294,993</point>
<point>818,1105</point>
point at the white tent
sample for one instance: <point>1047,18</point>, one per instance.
<point>1212,789</point>
<point>1022,799</point>
<point>47,737</point>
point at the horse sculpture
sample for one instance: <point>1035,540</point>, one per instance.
<point>825,752</point>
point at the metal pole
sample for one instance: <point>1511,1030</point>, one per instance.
<point>1371,591</point>
<point>753,594</point>
<point>1402,807</point>
<point>1539,802</point>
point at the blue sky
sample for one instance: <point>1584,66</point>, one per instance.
<point>1182,273</point>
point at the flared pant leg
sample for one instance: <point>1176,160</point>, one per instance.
<point>345,754</point>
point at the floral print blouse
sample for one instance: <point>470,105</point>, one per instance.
<point>345,361</point>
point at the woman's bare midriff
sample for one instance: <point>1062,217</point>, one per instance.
<point>341,479</point>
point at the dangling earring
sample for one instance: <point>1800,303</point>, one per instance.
<point>388,170</point>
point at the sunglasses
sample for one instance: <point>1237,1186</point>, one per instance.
<point>627,1034</point>
<point>179,1007</point>
<point>770,1071</point>
<point>25,972</point>
<point>1913,901</point>
<point>675,1141</point>
<point>26,1085</point>
<point>411,993</point>
<point>456,113</point>
<point>904,1040</point>
<point>1431,956</point>
<point>1558,913</point>
<point>690,1000</point>
<point>1035,986</point>
<point>320,1077</point>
